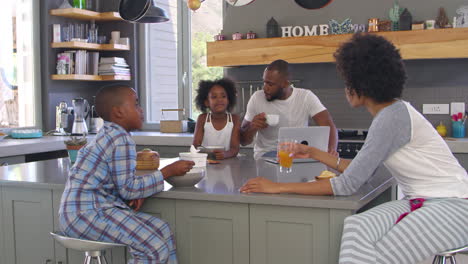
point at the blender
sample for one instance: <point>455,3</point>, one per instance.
<point>80,109</point>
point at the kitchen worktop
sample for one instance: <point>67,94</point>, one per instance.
<point>221,183</point>
<point>13,147</point>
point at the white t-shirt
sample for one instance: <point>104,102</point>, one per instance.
<point>293,112</point>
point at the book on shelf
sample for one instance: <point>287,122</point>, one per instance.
<point>110,60</point>
<point>78,62</point>
<point>104,67</point>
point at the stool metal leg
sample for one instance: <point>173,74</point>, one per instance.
<point>453,260</point>
<point>87,260</point>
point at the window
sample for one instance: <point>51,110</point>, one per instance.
<point>19,64</point>
<point>174,58</point>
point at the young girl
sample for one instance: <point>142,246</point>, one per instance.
<point>218,127</point>
<point>434,215</point>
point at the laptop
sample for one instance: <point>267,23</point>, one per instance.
<point>315,136</point>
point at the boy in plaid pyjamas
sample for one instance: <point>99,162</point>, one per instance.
<point>93,204</point>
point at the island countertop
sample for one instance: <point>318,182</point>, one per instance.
<point>221,183</point>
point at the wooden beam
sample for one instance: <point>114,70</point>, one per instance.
<point>417,44</point>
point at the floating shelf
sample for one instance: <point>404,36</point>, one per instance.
<point>89,46</point>
<point>415,44</point>
<point>83,14</point>
<point>78,77</point>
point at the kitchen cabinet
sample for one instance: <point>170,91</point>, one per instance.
<point>413,44</point>
<point>212,232</point>
<point>280,234</point>
<point>27,219</point>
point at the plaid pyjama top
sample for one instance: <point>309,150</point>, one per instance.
<point>103,175</point>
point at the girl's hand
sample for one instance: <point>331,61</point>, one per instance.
<point>260,185</point>
<point>219,154</point>
<point>136,204</point>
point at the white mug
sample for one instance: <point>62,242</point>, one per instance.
<point>272,120</point>
<point>430,24</point>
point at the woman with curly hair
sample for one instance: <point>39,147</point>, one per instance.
<point>433,217</point>
<point>217,126</point>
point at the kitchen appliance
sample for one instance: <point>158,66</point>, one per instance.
<point>80,109</point>
<point>61,118</point>
<point>350,142</point>
<point>95,122</point>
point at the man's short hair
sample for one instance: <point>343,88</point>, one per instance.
<point>108,97</point>
<point>281,66</point>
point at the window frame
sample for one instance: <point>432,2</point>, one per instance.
<point>36,74</point>
<point>183,63</point>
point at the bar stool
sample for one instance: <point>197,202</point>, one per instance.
<point>93,249</point>
<point>442,257</point>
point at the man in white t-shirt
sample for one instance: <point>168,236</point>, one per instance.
<point>293,105</point>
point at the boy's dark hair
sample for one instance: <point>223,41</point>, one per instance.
<point>371,66</point>
<point>204,88</point>
<point>107,97</point>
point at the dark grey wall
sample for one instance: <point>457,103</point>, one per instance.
<point>430,81</point>
<point>55,91</point>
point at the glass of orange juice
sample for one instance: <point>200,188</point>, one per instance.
<point>285,159</point>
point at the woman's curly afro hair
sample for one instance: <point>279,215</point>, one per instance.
<point>204,88</point>
<point>371,66</point>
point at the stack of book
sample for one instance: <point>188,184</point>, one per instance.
<point>77,62</point>
<point>113,66</point>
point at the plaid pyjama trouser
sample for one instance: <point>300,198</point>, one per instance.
<point>148,238</point>
<point>373,236</point>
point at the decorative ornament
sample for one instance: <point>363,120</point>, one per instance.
<point>385,25</point>
<point>406,19</point>
<point>239,2</point>
<point>442,20</point>
<point>373,24</point>
<point>462,16</point>
<point>272,29</point>
<point>344,28</point>
<point>358,28</point>
<point>194,4</point>
<point>316,4</point>
<point>394,15</point>
<point>299,31</point>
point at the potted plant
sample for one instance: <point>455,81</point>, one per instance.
<point>73,145</point>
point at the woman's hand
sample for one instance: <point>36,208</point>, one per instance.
<point>300,151</point>
<point>260,185</point>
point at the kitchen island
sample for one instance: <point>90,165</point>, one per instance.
<point>213,222</point>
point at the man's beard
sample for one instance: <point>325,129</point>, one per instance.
<point>277,95</point>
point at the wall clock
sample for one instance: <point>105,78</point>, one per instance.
<point>239,2</point>
<point>313,4</point>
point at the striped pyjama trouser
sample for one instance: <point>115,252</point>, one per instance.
<point>373,236</point>
<point>149,239</point>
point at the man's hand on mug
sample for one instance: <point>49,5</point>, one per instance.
<point>259,122</point>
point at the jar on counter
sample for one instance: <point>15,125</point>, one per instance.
<point>251,35</point>
<point>236,36</point>
<point>219,37</point>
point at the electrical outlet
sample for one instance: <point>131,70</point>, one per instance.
<point>456,108</point>
<point>436,109</point>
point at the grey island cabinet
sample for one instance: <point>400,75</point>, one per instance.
<point>212,221</point>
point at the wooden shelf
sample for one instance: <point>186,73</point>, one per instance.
<point>89,46</point>
<point>83,14</point>
<point>416,44</point>
<point>77,77</point>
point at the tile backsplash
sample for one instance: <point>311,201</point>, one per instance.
<point>429,81</point>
